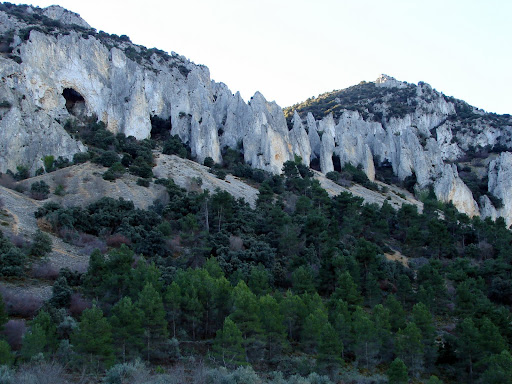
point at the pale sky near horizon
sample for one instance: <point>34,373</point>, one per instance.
<point>290,50</point>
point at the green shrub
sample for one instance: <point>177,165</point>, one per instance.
<point>220,173</point>
<point>6,359</point>
<point>141,168</point>
<point>143,182</point>
<point>81,157</point>
<point>61,293</point>
<point>59,190</point>
<point>12,260</point>
<point>334,176</point>
<point>208,162</point>
<point>22,173</point>
<point>174,146</point>
<point>39,190</point>
<point>126,373</point>
<point>48,162</point>
<point>114,172</point>
<point>41,244</point>
<point>107,158</point>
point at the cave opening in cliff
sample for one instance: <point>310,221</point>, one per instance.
<point>75,102</point>
<point>160,128</point>
<point>336,162</point>
<point>315,164</point>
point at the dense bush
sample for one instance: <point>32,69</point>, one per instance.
<point>107,158</point>
<point>39,190</point>
<point>41,244</point>
<point>174,146</point>
<point>12,259</point>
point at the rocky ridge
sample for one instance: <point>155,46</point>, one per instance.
<point>54,69</point>
<point>418,132</point>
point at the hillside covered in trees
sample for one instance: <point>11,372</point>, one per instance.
<point>304,288</point>
<point>197,286</point>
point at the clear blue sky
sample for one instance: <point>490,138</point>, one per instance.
<point>293,49</point>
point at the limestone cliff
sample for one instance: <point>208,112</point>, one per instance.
<point>54,68</point>
<point>421,134</point>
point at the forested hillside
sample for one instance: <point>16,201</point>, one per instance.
<point>147,281</point>
<point>301,285</point>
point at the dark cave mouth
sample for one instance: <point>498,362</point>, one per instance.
<point>75,102</point>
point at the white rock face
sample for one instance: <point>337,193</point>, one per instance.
<point>27,132</point>
<point>389,82</point>
<point>500,184</point>
<point>125,94</point>
<point>56,12</point>
<point>300,140</point>
<point>419,143</point>
<point>124,85</point>
<point>449,187</point>
<point>487,209</point>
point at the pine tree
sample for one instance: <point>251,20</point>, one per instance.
<point>302,280</point>
<point>246,316</point>
<point>41,244</point>
<point>272,323</point>
<point>127,332</point>
<point>44,320</point>
<point>435,380</point>
<point>34,342</point>
<point>490,341</point>
<point>468,349</point>
<point>423,319</point>
<point>293,309</point>
<point>222,301</point>
<point>6,356</point>
<point>193,309</point>
<point>347,291</point>
<point>61,293</point>
<point>330,348</point>
<point>365,336</point>
<point>397,372</point>
<point>172,300</point>
<point>153,320</point>
<point>93,279</point>
<point>3,314</point>
<point>227,346</point>
<point>313,326</point>
<point>404,290</point>
<point>380,318</point>
<point>213,268</point>
<point>93,338</point>
<point>500,369</point>
<point>396,313</point>
<point>342,320</point>
<point>372,290</point>
<point>409,347</point>
<point>259,280</point>
<point>142,274</point>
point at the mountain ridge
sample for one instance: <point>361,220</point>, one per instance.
<point>56,69</point>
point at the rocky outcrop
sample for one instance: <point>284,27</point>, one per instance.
<point>64,16</point>
<point>27,132</point>
<point>450,188</point>
<point>500,184</point>
<point>65,71</point>
<point>123,86</point>
<point>418,132</point>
